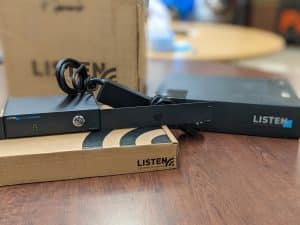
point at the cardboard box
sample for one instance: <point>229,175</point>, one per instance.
<point>106,35</point>
<point>64,157</point>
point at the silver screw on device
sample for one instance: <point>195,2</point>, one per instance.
<point>78,121</point>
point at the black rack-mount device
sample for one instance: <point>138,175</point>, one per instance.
<point>80,111</point>
<point>241,105</point>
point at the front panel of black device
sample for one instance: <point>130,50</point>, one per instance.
<point>51,123</point>
<point>36,116</point>
<point>254,119</point>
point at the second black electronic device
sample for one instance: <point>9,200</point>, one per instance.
<point>241,105</point>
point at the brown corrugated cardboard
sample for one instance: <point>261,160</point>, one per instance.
<point>105,34</point>
<point>64,157</point>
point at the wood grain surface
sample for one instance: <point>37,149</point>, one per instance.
<point>221,180</point>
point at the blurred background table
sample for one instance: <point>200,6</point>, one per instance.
<point>221,42</point>
<point>221,179</point>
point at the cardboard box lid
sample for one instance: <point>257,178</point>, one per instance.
<point>104,140</point>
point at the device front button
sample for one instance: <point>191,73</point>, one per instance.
<point>78,121</point>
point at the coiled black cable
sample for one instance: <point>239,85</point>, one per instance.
<point>78,75</point>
